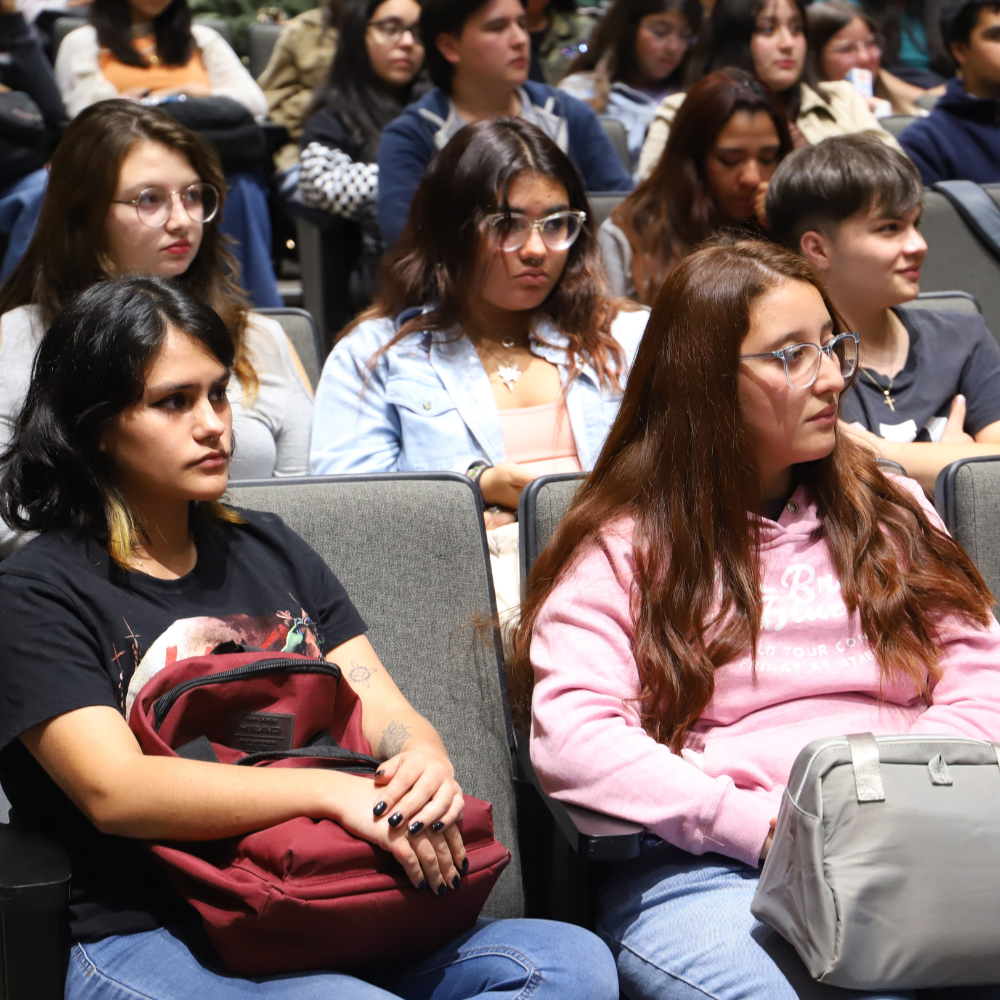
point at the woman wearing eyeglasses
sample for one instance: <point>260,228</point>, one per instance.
<point>843,37</point>
<point>131,191</point>
<point>370,82</point>
<point>735,579</point>
<point>492,348</point>
<point>636,57</point>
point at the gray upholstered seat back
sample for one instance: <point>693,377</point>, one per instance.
<point>945,302</point>
<point>968,499</point>
<point>543,503</point>
<point>956,259</point>
<point>411,552</point>
<point>263,38</point>
<point>897,124</point>
<point>603,204</point>
<point>300,328</point>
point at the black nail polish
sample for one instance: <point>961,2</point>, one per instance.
<point>438,826</point>
<point>442,889</point>
<point>416,826</point>
<point>456,882</point>
<point>465,867</point>
<point>395,819</point>
<point>379,774</point>
<point>380,807</point>
<point>422,886</point>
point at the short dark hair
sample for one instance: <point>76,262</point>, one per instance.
<point>818,187</point>
<point>90,366</point>
<point>960,17</point>
<point>443,17</point>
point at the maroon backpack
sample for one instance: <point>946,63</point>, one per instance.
<point>304,894</point>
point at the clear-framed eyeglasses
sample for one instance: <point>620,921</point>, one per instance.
<point>802,361</point>
<point>873,45</point>
<point>153,205</point>
<point>392,29</point>
<point>558,230</point>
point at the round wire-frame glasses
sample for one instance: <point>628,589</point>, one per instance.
<point>154,204</point>
<point>802,361</point>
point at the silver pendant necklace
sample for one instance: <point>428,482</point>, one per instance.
<point>507,373</point>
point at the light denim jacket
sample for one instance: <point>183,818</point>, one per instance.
<point>428,404</point>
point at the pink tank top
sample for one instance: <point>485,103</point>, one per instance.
<point>540,438</point>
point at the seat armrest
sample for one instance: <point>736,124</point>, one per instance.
<point>34,872</point>
<point>592,835</point>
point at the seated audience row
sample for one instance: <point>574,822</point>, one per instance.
<point>122,472</point>
<point>492,348</point>
<point>928,388</point>
<point>159,216</point>
<point>150,50</point>
<point>637,56</point>
<point>960,140</point>
<point>477,54</point>
<point>767,38</point>
<point>675,654</point>
<point>729,135</point>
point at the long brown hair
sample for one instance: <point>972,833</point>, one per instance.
<point>435,261</point>
<point>673,209</point>
<point>69,253</point>
<point>679,462</point>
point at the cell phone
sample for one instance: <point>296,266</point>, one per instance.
<point>861,80</point>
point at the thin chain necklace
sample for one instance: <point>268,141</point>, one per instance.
<point>889,401</point>
<point>507,373</point>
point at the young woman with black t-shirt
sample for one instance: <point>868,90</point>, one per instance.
<point>137,564</point>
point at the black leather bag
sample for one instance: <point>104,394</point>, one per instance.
<point>226,124</point>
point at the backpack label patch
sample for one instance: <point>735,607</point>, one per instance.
<point>260,732</point>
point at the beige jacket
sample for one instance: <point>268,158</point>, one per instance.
<point>298,65</point>
<point>837,110</point>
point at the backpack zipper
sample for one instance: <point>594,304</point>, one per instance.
<point>165,702</point>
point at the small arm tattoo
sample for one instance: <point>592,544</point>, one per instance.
<point>360,674</point>
<point>393,738</point>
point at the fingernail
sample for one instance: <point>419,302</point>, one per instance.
<point>465,867</point>
<point>456,882</point>
<point>416,826</point>
<point>395,819</point>
<point>442,889</point>
<point>380,807</point>
<point>379,774</point>
<point>422,886</point>
<point>438,826</point>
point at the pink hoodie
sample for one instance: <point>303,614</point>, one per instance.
<point>816,676</point>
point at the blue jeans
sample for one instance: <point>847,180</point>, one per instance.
<point>501,959</point>
<point>681,929</point>
<point>246,219</point>
<point>20,205</point>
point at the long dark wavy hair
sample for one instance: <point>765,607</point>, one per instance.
<point>112,21</point>
<point>725,41</point>
<point>437,257</point>
<point>91,365</point>
<point>68,252</point>
<point>673,209</point>
<point>364,103</point>
<point>611,48</point>
<point>679,462</point>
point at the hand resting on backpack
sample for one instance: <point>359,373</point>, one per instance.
<point>93,756</point>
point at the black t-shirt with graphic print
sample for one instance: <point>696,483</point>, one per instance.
<point>950,353</point>
<point>74,628</point>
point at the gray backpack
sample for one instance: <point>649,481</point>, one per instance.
<point>884,872</point>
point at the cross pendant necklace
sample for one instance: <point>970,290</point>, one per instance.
<point>889,401</point>
<point>507,373</point>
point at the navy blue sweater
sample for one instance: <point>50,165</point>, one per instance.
<point>408,145</point>
<point>959,140</point>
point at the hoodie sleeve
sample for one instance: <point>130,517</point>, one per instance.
<point>588,746</point>
<point>30,71</point>
<point>920,145</point>
<point>403,154</point>
<point>591,150</point>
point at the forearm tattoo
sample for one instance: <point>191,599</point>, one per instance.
<point>393,738</point>
<point>360,674</point>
